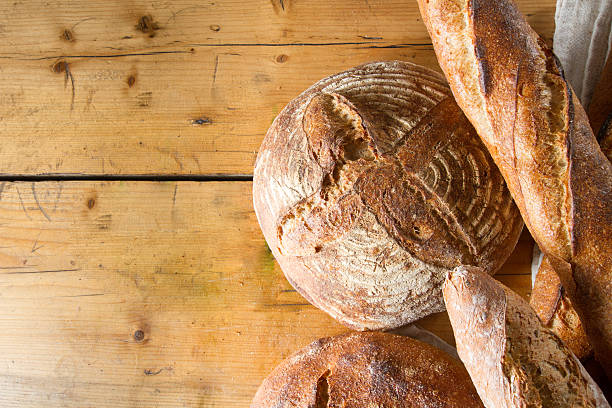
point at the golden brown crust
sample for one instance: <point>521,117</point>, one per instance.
<point>370,186</point>
<point>548,298</point>
<point>368,370</point>
<point>512,89</point>
<point>555,310</point>
<point>512,358</point>
<point>546,292</point>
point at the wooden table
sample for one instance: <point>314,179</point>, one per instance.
<point>132,269</point>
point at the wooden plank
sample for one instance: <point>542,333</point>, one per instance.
<point>182,87</point>
<point>160,294</point>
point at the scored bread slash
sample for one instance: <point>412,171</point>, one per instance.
<point>513,360</point>
<point>370,186</point>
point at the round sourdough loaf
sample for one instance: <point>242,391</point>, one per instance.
<point>368,370</point>
<point>371,185</point>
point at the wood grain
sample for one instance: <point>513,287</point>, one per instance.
<point>181,87</point>
<point>132,294</point>
<point>164,294</point>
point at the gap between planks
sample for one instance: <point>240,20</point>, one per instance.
<point>124,177</point>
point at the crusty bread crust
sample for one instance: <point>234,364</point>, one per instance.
<point>370,186</point>
<point>368,370</point>
<point>514,361</point>
<point>554,308</point>
<point>512,89</point>
<point>548,297</point>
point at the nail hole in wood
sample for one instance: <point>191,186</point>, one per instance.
<point>139,335</point>
<point>202,121</point>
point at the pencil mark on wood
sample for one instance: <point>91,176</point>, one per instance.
<point>34,247</point>
<point>86,295</point>
<point>42,210</point>
<point>69,75</point>
<point>81,21</point>
<point>48,271</point>
<point>104,221</point>
<point>202,121</point>
<point>59,193</point>
<point>88,104</point>
<point>176,158</point>
<point>262,77</point>
<point>62,66</point>
<point>174,196</point>
<point>215,70</point>
<point>181,11</point>
<point>22,206</point>
<point>144,99</point>
<point>151,372</point>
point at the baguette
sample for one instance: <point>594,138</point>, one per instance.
<point>368,370</point>
<point>550,302</point>
<point>513,360</point>
<point>512,89</point>
<point>548,298</point>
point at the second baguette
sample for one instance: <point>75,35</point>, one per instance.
<point>513,360</point>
